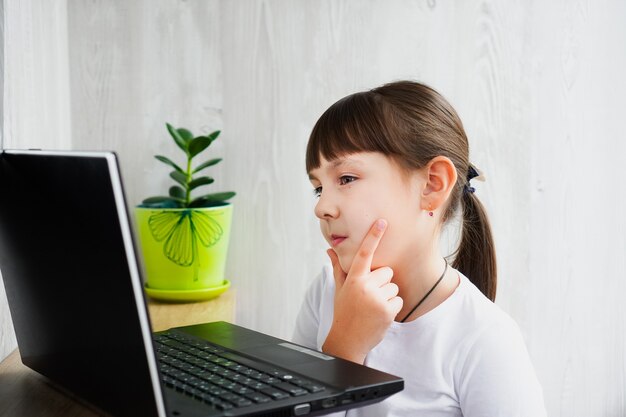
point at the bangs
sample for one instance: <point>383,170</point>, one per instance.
<point>357,123</point>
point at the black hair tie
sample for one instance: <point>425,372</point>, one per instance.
<point>472,172</point>
<point>467,189</point>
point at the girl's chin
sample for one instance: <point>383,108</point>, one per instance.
<point>345,263</point>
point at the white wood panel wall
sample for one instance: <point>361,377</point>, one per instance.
<point>539,86</point>
<point>575,315</point>
<point>135,66</point>
<point>35,94</point>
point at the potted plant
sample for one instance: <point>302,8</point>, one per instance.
<point>184,239</point>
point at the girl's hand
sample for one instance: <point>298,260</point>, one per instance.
<point>366,301</point>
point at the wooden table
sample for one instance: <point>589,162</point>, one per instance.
<point>24,393</point>
<point>167,315</point>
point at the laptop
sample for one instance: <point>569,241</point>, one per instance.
<point>75,291</point>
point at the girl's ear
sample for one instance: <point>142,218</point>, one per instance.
<point>440,180</point>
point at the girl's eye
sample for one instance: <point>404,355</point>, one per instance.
<point>346,179</point>
<point>343,180</point>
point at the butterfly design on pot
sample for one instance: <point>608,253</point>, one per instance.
<point>182,232</point>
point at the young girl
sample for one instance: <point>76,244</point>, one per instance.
<point>390,167</point>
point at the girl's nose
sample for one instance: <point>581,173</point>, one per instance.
<point>326,208</point>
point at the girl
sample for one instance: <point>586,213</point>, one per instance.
<point>390,167</point>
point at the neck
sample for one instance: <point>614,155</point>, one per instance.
<point>416,277</point>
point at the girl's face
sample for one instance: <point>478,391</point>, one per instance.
<point>354,191</point>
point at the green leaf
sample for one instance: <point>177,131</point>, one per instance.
<point>214,135</point>
<point>177,138</point>
<point>198,144</point>
<point>185,134</point>
<point>200,181</point>
<point>212,199</point>
<point>169,162</point>
<point>158,199</point>
<point>177,192</point>
<point>163,201</point>
<point>207,164</point>
<point>179,177</point>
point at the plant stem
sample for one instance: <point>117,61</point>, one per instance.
<point>187,189</point>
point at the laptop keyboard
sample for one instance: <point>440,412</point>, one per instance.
<point>221,378</point>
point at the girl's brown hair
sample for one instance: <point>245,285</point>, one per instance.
<point>412,123</point>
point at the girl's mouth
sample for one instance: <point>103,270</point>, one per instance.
<point>335,240</point>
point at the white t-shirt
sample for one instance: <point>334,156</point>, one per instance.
<point>465,358</point>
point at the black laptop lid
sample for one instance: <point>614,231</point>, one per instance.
<point>64,262</point>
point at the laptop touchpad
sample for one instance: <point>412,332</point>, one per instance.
<point>287,354</point>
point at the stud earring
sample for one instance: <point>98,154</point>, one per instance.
<point>430,210</point>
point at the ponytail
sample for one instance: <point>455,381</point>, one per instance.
<point>476,254</point>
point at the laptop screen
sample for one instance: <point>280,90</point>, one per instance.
<point>67,278</point>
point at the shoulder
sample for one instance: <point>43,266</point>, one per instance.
<point>316,310</point>
<point>485,326</point>
<point>323,285</point>
<point>478,313</point>
<point>494,366</point>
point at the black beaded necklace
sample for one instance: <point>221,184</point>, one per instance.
<point>427,294</point>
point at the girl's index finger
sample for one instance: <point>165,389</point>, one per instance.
<point>362,263</point>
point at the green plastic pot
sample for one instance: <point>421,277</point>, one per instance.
<point>184,251</point>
